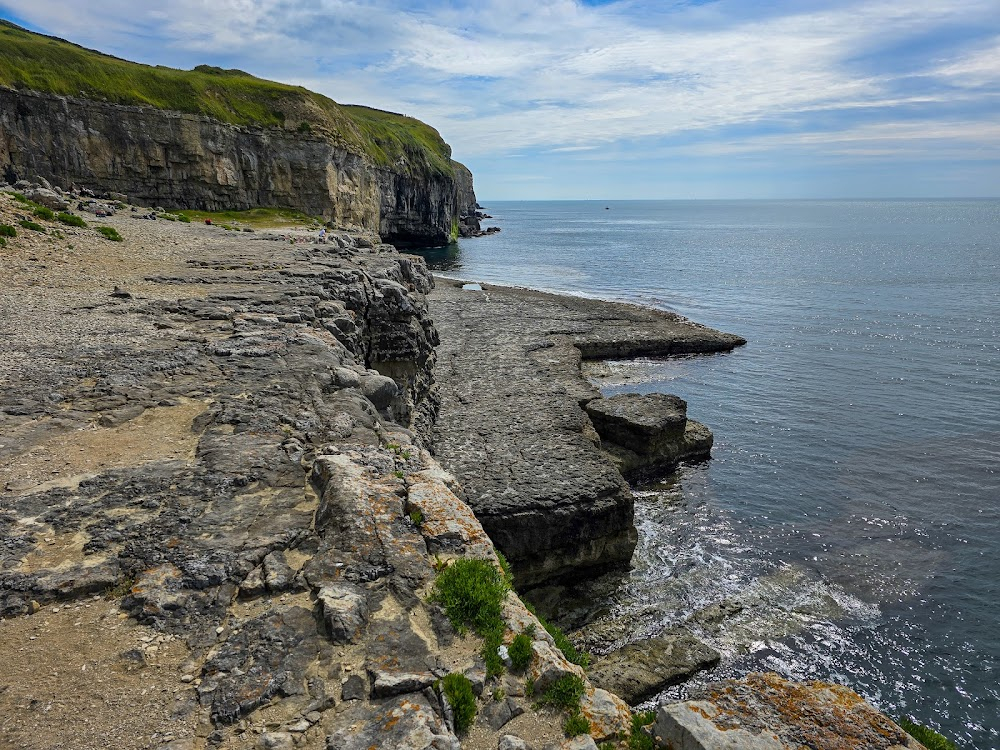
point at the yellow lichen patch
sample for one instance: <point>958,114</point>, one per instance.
<point>160,433</point>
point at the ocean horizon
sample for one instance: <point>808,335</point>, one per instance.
<point>852,505</point>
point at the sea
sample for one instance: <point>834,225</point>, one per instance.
<point>847,527</point>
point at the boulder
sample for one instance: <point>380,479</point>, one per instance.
<point>641,670</point>
<point>48,198</point>
<point>345,611</point>
<point>768,712</point>
<point>407,723</point>
<point>648,433</point>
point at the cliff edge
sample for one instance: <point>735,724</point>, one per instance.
<point>215,139</point>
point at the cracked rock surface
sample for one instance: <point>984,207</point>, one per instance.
<point>511,426</point>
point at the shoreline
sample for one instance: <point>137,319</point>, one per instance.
<point>216,455</point>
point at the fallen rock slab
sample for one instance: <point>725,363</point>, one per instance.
<point>767,712</point>
<point>641,670</point>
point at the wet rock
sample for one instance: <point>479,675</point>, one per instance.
<point>640,670</point>
<point>767,712</point>
<point>407,723</point>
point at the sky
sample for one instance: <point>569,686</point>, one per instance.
<point>589,99</point>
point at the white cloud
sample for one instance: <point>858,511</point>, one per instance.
<point>502,76</point>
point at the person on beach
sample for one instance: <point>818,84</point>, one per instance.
<point>322,235</point>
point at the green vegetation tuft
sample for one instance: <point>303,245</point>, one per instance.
<point>520,652</point>
<point>472,593</point>
<point>109,233</point>
<point>33,226</point>
<point>462,700</point>
<point>927,736</point>
<point>19,197</point>
<point>575,725</point>
<point>258,217</point>
<point>640,740</point>
<point>55,66</point>
<point>44,213</point>
<point>6,230</point>
<point>416,517</point>
<point>3,242</point>
<point>565,692</point>
<point>71,220</point>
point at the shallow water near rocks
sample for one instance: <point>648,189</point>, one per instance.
<point>850,517</point>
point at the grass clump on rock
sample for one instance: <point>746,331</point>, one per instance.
<point>472,594</point>
<point>109,233</point>
<point>44,213</point>
<point>33,226</point>
<point>926,736</point>
<point>640,740</point>
<point>458,690</point>
<point>6,230</point>
<point>520,652</point>
<point>71,220</point>
<point>566,692</point>
<point>576,725</point>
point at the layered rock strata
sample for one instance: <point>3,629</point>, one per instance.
<point>513,430</point>
<point>219,523</point>
<point>648,434</point>
<point>180,160</point>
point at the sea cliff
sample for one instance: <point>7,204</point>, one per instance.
<point>62,118</point>
<point>222,527</point>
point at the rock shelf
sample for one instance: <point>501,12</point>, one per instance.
<point>513,430</point>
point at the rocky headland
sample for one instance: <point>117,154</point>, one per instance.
<point>222,524</point>
<point>214,139</point>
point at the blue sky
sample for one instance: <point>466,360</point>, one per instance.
<point>547,99</point>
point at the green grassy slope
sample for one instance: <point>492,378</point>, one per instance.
<point>54,66</point>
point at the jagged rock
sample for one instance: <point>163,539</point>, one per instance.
<point>767,712</point>
<point>512,742</point>
<point>496,714</point>
<point>278,574</point>
<point>648,433</point>
<point>266,657</point>
<point>405,723</point>
<point>355,688</point>
<point>640,670</point>
<point>345,611</point>
<point>48,198</point>
<point>387,682</point>
<point>609,715</point>
<point>548,666</point>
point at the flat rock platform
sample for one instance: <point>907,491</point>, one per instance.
<point>512,426</point>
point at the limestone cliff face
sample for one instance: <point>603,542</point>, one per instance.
<point>179,160</point>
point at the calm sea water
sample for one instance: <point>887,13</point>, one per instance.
<point>853,499</point>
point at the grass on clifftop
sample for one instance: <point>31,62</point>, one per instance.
<point>55,66</point>
<point>926,736</point>
<point>255,217</point>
